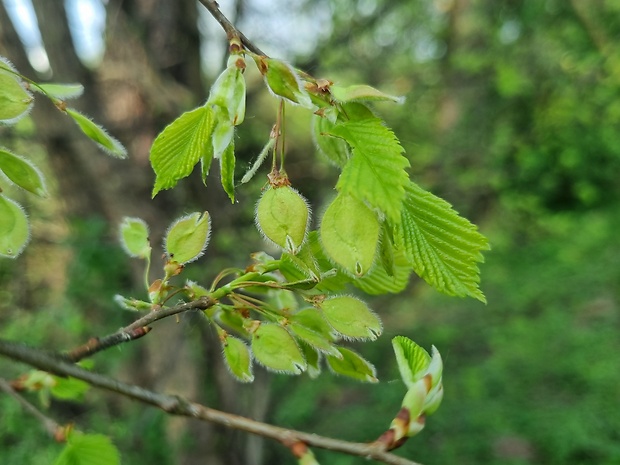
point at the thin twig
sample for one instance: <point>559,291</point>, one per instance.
<point>135,330</point>
<point>51,426</point>
<point>177,405</point>
<point>230,30</point>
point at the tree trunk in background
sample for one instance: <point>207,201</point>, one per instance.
<point>150,74</point>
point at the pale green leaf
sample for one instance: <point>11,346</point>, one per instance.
<point>376,171</point>
<point>228,91</point>
<point>180,145</point>
<point>187,237</point>
<point>361,92</point>
<point>89,449</point>
<point>14,229</point>
<point>275,349</point>
<point>379,281</point>
<point>353,365</point>
<point>313,359</point>
<point>22,172</point>
<point>134,236</point>
<point>60,91</point>
<point>413,360</point>
<point>443,247</point>
<point>283,80</point>
<point>227,171</point>
<point>15,101</point>
<point>238,358</point>
<point>68,388</point>
<point>351,317</point>
<point>97,134</point>
<point>350,233</point>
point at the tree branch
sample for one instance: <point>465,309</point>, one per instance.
<point>231,31</point>
<point>135,330</point>
<point>177,405</point>
<point>54,429</point>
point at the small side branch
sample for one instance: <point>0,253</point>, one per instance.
<point>135,330</point>
<point>177,405</point>
<point>52,427</point>
<point>231,31</point>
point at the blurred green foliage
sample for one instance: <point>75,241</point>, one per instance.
<point>512,114</point>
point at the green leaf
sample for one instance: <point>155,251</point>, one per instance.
<point>413,360</point>
<point>22,172</point>
<point>69,388</point>
<point>223,131</point>
<point>362,92</point>
<point>15,101</point>
<point>228,91</point>
<point>227,171</point>
<point>238,358</point>
<point>187,237</point>
<point>134,235</point>
<point>353,365</point>
<point>310,326</point>
<point>283,80</point>
<point>351,317</point>
<point>335,149</point>
<point>313,359</point>
<point>376,171</point>
<point>282,216</point>
<point>443,247</point>
<point>275,348</point>
<point>60,91</point>
<point>379,281</point>
<point>99,135</point>
<point>180,145</point>
<point>88,449</point>
<point>349,234</point>
<point>14,230</point>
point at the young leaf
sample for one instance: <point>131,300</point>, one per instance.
<point>22,172</point>
<point>313,359</point>
<point>180,145</point>
<point>134,235</point>
<point>349,234</point>
<point>376,171</point>
<point>379,281</point>
<point>282,216</point>
<point>88,449</point>
<point>68,388</point>
<point>227,171</point>
<point>443,247</point>
<point>275,348</point>
<point>15,101</point>
<point>228,91</point>
<point>335,149</point>
<point>187,237</point>
<point>96,133</point>
<point>412,360</point>
<point>351,317</point>
<point>238,358</point>
<point>60,91</point>
<point>361,92</point>
<point>14,230</point>
<point>223,131</point>
<point>352,365</point>
<point>315,339</point>
<point>283,81</point>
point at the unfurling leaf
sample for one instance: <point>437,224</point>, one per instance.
<point>97,134</point>
<point>283,81</point>
<point>351,317</point>
<point>361,92</point>
<point>180,145</point>
<point>22,172</point>
<point>349,234</point>
<point>353,365</point>
<point>379,281</point>
<point>312,337</point>
<point>88,449</point>
<point>313,359</point>
<point>228,91</point>
<point>282,215</point>
<point>443,247</point>
<point>187,237</point>
<point>15,101</point>
<point>376,171</point>
<point>134,235</point>
<point>227,171</point>
<point>275,348</point>
<point>60,91</point>
<point>14,230</point>
<point>238,358</point>
<point>412,359</point>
